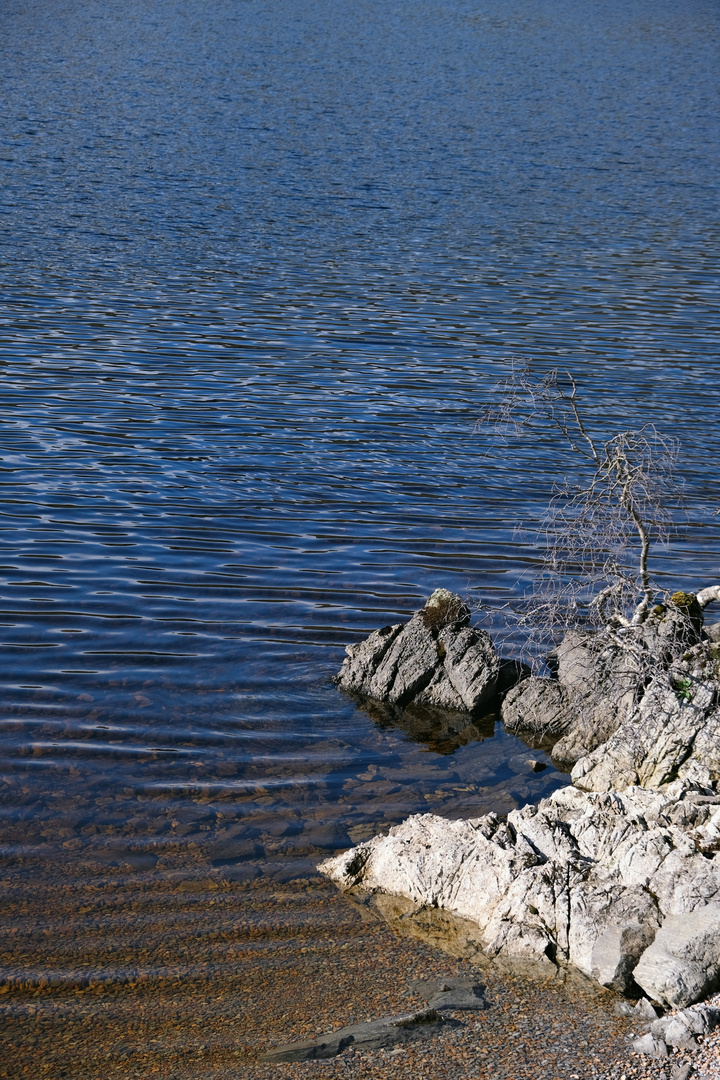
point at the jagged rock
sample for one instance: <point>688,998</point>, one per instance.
<point>435,659</point>
<point>583,878</point>
<point>600,681</point>
<point>674,730</point>
<point>365,657</point>
<point>370,1036</point>
<point>593,693</point>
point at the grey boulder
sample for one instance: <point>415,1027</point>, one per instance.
<point>537,709</point>
<point>650,1044</point>
<point>436,659</point>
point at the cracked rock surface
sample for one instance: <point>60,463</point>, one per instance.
<point>622,885</point>
<point>673,733</point>
<point>435,659</point>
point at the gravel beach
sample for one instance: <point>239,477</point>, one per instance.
<point>196,976</point>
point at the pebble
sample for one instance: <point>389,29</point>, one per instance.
<point>190,973</point>
<point>187,972</point>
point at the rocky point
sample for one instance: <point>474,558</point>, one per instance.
<point>617,874</point>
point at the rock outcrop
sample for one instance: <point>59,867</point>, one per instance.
<point>600,681</point>
<point>436,659</point>
<point>673,733</point>
<point>617,875</point>
<point>602,881</point>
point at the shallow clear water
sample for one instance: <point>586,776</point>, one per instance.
<point>261,266</point>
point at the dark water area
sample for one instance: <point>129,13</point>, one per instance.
<point>261,265</point>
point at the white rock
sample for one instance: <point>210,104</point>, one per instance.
<point>683,963</point>
<point>584,878</point>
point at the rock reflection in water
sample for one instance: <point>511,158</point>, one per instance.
<point>460,938</point>
<point>441,731</point>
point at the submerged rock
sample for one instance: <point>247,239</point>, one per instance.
<point>372,1035</point>
<point>583,878</point>
<point>436,659</point>
<point>451,993</point>
<point>442,730</point>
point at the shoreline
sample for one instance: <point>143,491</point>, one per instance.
<point>615,876</point>
<point>225,974</point>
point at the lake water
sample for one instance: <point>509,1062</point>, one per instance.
<point>261,267</point>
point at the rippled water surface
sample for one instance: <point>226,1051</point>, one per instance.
<point>261,266</point>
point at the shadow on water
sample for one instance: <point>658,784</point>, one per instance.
<point>439,731</point>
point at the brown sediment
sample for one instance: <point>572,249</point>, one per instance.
<point>191,974</point>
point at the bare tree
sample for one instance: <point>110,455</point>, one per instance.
<point>603,519</point>
<point>617,499</point>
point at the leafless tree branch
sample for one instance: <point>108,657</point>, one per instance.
<point>600,526</point>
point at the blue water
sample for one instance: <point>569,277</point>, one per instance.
<point>261,267</point>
